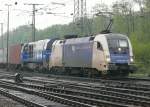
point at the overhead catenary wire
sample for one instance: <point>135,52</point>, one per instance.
<point>35,10</point>
<point>33,18</point>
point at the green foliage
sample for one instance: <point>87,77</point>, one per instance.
<point>141,50</point>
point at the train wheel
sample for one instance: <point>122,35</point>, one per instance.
<point>104,73</point>
<point>92,74</point>
<point>89,74</point>
<point>67,71</point>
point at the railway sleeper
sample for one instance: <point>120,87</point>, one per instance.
<point>107,98</point>
<point>46,96</point>
<point>88,94</point>
<point>118,94</point>
<point>19,99</point>
<point>108,87</point>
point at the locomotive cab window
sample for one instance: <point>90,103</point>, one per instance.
<point>117,43</point>
<point>50,43</point>
<point>123,43</point>
<point>25,48</point>
<point>99,46</point>
<point>30,48</point>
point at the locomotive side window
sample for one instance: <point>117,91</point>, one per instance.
<point>99,46</point>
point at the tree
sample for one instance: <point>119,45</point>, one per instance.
<point>124,15</point>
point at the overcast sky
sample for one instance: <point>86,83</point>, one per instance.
<point>20,14</point>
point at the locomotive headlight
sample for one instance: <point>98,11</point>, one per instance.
<point>131,59</point>
<point>108,58</point>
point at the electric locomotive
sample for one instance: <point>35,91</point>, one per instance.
<point>35,55</point>
<point>102,54</point>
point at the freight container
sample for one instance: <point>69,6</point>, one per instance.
<point>1,55</point>
<point>14,54</point>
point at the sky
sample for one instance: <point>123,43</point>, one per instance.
<point>21,14</point>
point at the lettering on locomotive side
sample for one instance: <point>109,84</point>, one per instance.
<point>81,47</point>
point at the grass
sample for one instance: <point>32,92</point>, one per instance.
<point>143,71</point>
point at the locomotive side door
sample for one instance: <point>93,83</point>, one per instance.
<point>99,61</point>
<point>25,53</point>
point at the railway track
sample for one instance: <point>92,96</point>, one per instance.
<point>105,96</point>
<point>132,79</point>
<point>99,79</point>
<point>83,79</point>
<point>89,87</point>
<point>71,100</point>
<point>84,92</point>
<point>129,83</point>
<point>27,97</point>
<point>109,83</point>
<point>3,71</point>
<point>4,92</point>
<point>98,82</point>
<point>85,86</point>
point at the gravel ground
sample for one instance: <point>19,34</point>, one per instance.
<point>32,98</point>
<point>6,102</point>
<point>37,99</point>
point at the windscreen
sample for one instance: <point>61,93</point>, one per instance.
<point>117,43</point>
<point>118,46</point>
